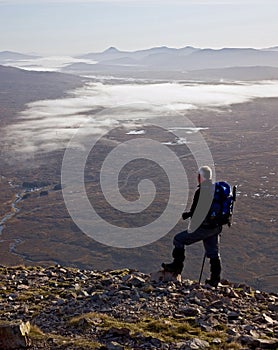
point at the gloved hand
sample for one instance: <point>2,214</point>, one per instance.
<point>186,215</point>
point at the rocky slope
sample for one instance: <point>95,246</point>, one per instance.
<point>123,309</point>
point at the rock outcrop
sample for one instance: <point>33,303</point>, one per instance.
<point>14,335</point>
<point>124,309</point>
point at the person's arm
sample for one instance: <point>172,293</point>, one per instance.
<point>190,213</point>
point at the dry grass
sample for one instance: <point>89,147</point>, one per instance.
<point>166,330</point>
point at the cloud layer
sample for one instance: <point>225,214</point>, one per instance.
<point>49,124</point>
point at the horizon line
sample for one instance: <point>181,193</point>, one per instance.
<point>141,49</point>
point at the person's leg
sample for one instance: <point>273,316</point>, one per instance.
<point>211,245</point>
<point>186,238</point>
<point>180,240</point>
<point>178,254</point>
<point>215,269</point>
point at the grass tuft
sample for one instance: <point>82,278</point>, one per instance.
<point>166,330</point>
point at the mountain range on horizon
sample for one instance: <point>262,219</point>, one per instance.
<point>188,63</point>
<point>164,48</point>
<point>185,63</point>
<point>155,55</point>
<point>10,54</point>
<point>187,58</point>
<point>164,62</point>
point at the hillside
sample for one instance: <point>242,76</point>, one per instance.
<point>124,309</point>
<point>19,87</point>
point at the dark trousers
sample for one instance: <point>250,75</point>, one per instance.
<point>210,238</point>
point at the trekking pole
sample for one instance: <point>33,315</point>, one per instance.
<point>202,269</point>
<point>233,205</point>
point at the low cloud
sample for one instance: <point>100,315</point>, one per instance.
<point>49,124</point>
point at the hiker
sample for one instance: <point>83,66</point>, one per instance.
<point>201,228</point>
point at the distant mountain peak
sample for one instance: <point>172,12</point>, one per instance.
<point>111,49</point>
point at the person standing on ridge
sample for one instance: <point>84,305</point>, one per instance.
<point>201,229</point>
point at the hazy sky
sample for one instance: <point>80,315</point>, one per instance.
<point>80,26</point>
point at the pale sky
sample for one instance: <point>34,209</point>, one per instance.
<point>72,27</point>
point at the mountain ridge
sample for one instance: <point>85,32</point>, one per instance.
<point>184,51</point>
<point>166,59</point>
<point>169,59</point>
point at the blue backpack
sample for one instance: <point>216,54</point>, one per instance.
<point>221,210</point>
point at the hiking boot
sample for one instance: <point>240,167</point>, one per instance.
<point>212,283</point>
<point>215,269</point>
<point>173,267</point>
<point>177,265</point>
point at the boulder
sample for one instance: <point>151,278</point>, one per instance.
<point>195,343</point>
<point>163,276</point>
<point>14,335</point>
<point>268,343</point>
